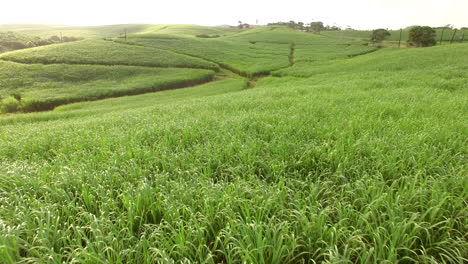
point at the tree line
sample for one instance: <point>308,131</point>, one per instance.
<point>14,41</point>
<point>418,36</point>
<point>316,26</point>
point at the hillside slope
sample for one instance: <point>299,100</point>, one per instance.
<point>447,36</point>
<point>361,161</point>
<point>258,51</point>
<point>47,31</point>
<point>102,52</point>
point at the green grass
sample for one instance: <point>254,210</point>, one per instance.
<point>448,58</point>
<point>46,31</point>
<point>13,41</point>
<point>43,87</point>
<point>281,35</point>
<point>361,161</point>
<point>188,30</point>
<point>255,52</point>
<point>395,35</point>
<point>103,52</point>
<point>112,105</point>
<point>241,57</point>
<point>114,31</point>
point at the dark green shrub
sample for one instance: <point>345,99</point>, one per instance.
<point>9,105</point>
<point>379,35</point>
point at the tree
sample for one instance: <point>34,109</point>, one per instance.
<point>292,24</point>
<point>422,36</point>
<point>317,26</point>
<point>379,35</point>
<point>300,25</point>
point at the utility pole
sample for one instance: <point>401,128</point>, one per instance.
<point>61,38</point>
<point>399,42</point>
<point>125,34</point>
<point>453,36</point>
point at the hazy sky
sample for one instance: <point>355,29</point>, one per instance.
<point>360,14</point>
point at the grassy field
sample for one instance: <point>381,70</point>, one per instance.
<point>255,52</point>
<point>449,60</point>
<point>241,57</point>
<point>101,52</point>
<point>395,35</point>
<point>114,31</point>
<point>188,30</point>
<point>13,41</point>
<point>351,159</point>
<point>91,70</point>
<point>43,87</point>
<point>47,31</point>
<point>79,110</point>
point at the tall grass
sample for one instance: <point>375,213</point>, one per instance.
<point>114,31</point>
<point>361,161</point>
<point>43,87</point>
<point>258,51</point>
<point>449,61</point>
<point>47,30</point>
<point>101,52</point>
<point>244,58</point>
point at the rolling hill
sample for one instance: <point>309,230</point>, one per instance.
<point>301,149</point>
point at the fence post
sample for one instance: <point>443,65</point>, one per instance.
<point>441,36</point>
<point>453,36</point>
<point>399,42</point>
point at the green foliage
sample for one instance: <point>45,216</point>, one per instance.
<point>379,35</point>
<point>395,34</point>
<point>47,31</point>
<point>362,160</point>
<point>43,87</point>
<point>238,56</point>
<point>422,36</point>
<point>16,95</point>
<point>390,60</point>
<point>317,27</point>
<point>103,52</point>
<point>13,41</point>
<point>254,52</point>
<point>189,30</point>
<point>9,105</point>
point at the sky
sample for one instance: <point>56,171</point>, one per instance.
<point>359,14</point>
